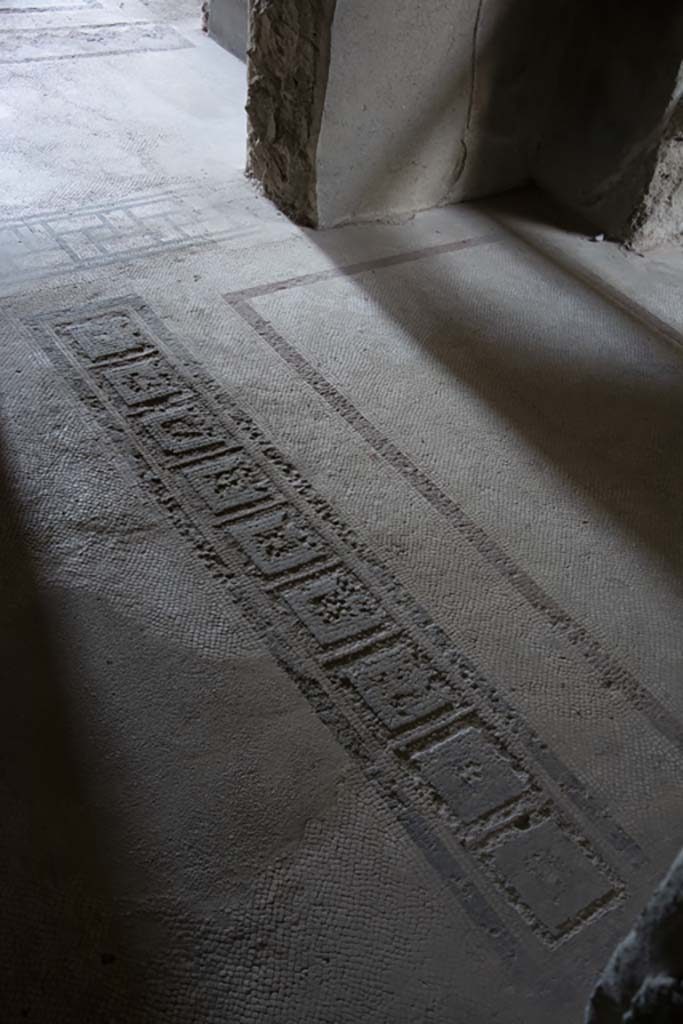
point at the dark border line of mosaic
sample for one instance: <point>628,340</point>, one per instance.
<point>643,316</point>
<point>604,663</point>
<point>351,269</point>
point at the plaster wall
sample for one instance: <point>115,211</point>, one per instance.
<point>430,103</point>
<point>374,111</point>
<point>229,25</point>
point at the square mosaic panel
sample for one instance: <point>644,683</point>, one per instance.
<point>471,774</point>
<point>551,874</point>
<point>109,334</point>
<point>279,541</point>
<point>398,685</point>
<point>184,430</point>
<point>336,606</point>
<point>144,382</point>
<point>230,482</point>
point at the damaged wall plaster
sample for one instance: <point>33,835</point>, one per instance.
<point>289,48</point>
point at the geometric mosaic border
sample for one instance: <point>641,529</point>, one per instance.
<point>72,42</point>
<point>56,242</point>
<point>490,807</point>
<point>46,6</point>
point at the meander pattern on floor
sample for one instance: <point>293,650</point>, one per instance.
<point>354,614</point>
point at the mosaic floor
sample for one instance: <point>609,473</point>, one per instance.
<point>343,575</point>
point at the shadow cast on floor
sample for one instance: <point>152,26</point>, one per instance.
<point>606,416</point>
<point>64,948</point>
